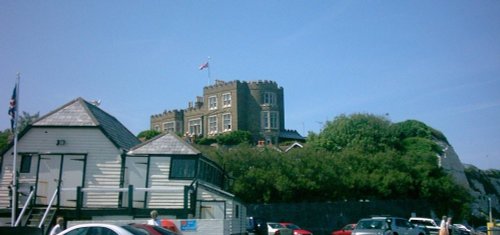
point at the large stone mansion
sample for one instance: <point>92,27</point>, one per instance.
<point>256,106</point>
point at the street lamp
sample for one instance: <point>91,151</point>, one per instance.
<point>489,206</point>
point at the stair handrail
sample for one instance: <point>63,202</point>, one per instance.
<point>48,208</point>
<point>28,201</point>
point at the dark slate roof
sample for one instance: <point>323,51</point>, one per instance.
<point>291,134</point>
<point>80,113</point>
<point>165,144</point>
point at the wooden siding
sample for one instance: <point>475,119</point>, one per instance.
<point>159,170</point>
<point>103,159</point>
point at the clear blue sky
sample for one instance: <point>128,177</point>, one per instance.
<point>434,61</point>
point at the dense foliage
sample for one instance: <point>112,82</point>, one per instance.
<point>229,138</point>
<point>147,134</point>
<point>354,157</point>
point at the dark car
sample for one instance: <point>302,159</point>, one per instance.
<point>256,226</point>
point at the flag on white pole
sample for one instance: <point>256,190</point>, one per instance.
<point>13,109</point>
<point>203,66</point>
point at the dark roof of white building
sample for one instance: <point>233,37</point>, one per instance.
<point>165,144</point>
<point>80,113</point>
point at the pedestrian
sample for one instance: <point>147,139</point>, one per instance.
<point>154,218</point>
<point>59,227</point>
<point>449,226</point>
<point>443,230</point>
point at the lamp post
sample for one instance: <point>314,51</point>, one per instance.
<point>489,207</point>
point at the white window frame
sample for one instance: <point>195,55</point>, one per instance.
<point>192,123</point>
<point>212,102</point>
<point>156,127</point>
<point>226,100</point>
<point>227,122</point>
<point>168,129</point>
<point>270,120</point>
<point>269,98</point>
<point>212,125</point>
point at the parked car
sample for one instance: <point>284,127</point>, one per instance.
<point>481,230</point>
<point>104,229</point>
<point>428,223</point>
<point>256,226</point>
<point>386,226</point>
<point>153,230</point>
<point>296,229</point>
<point>274,228</point>
<point>461,229</point>
<point>346,230</point>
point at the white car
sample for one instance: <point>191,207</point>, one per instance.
<point>101,229</point>
<point>428,223</point>
<point>277,228</point>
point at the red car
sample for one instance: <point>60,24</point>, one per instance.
<point>346,230</point>
<point>296,229</point>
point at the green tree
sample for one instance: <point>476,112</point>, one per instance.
<point>148,134</point>
<point>368,132</point>
<point>4,138</point>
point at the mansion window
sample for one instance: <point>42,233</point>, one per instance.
<point>226,121</point>
<point>181,168</point>
<point>212,124</point>
<point>269,98</point>
<point>226,100</point>
<point>194,126</point>
<point>269,120</point>
<point>212,102</point>
<point>169,127</point>
<point>157,128</point>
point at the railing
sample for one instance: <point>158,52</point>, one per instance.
<point>48,208</point>
<point>26,204</point>
<point>129,190</point>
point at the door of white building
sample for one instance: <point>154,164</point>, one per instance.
<point>65,172</point>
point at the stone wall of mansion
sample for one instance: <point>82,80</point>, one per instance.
<point>254,106</point>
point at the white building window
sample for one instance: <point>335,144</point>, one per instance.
<point>157,128</point>
<point>212,125</point>
<point>212,102</point>
<point>194,126</point>
<point>269,120</point>
<point>226,121</point>
<point>169,127</point>
<point>226,100</point>
<point>269,98</point>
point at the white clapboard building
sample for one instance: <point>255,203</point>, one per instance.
<point>80,162</point>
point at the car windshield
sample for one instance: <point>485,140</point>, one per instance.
<point>275,225</point>
<point>292,226</point>
<point>422,222</point>
<point>134,230</point>
<point>371,224</point>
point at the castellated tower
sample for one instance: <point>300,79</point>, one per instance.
<point>256,106</point>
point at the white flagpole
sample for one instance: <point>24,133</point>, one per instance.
<point>209,65</point>
<point>14,164</point>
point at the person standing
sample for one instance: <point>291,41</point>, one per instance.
<point>59,227</point>
<point>154,218</point>
<point>443,229</point>
<point>449,226</point>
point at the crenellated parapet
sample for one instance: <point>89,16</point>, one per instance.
<point>168,113</point>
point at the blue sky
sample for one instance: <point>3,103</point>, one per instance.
<point>433,61</point>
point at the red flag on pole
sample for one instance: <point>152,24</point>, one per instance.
<point>203,66</point>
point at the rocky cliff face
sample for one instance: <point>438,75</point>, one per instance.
<point>484,186</point>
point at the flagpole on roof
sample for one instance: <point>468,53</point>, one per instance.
<point>208,70</point>
<point>14,163</point>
